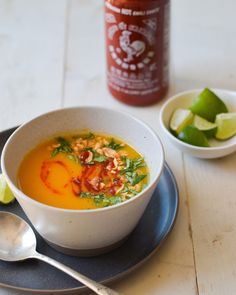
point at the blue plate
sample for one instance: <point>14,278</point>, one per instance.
<point>148,236</point>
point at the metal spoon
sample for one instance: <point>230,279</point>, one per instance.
<point>18,242</point>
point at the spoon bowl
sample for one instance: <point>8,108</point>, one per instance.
<point>17,239</point>
<point>18,242</point>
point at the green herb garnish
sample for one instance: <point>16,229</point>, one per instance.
<point>85,194</point>
<point>115,200</point>
<point>129,190</point>
<point>114,145</point>
<point>64,147</point>
<point>101,199</point>
<point>107,201</point>
<point>96,156</point>
<point>134,177</point>
<point>132,164</point>
<point>99,158</point>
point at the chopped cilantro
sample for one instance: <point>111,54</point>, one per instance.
<point>98,199</point>
<point>128,190</point>
<point>85,194</point>
<point>115,200</point>
<point>96,156</point>
<point>132,164</point>
<point>64,147</point>
<point>101,199</point>
<point>63,141</point>
<point>55,152</point>
<point>114,145</point>
<point>137,163</point>
<point>134,177</point>
<point>107,201</point>
<point>99,158</point>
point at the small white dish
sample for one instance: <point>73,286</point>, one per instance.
<point>217,148</point>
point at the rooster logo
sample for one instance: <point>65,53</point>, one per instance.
<point>134,49</point>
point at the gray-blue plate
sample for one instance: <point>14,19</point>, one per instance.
<point>148,236</point>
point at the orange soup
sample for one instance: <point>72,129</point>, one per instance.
<point>84,171</point>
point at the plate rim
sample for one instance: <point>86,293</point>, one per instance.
<point>125,272</point>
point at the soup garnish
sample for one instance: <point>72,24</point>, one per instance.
<point>84,171</point>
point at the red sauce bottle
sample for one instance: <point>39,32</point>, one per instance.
<point>137,48</point>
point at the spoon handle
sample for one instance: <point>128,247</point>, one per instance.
<point>96,287</point>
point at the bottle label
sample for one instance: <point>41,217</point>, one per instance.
<point>137,47</point>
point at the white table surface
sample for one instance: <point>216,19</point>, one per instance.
<point>52,56</point>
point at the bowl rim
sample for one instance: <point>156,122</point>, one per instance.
<point>83,211</point>
<point>187,145</point>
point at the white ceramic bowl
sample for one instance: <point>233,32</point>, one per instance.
<point>84,232</point>
<point>183,100</point>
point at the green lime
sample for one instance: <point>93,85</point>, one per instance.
<point>180,119</point>
<point>207,105</point>
<point>205,126</point>
<point>226,124</point>
<point>6,195</point>
<point>190,134</point>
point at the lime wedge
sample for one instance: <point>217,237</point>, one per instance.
<point>207,105</point>
<point>6,195</point>
<point>192,135</point>
<point>205,126</point>
<point>180,119</point>
<point>226,124</point>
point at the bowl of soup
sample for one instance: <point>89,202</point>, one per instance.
<point>83,176</point>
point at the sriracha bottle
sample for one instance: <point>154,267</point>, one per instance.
<point>137,49</point>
